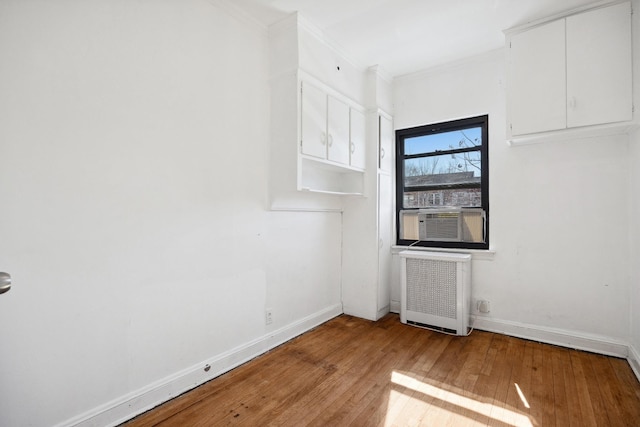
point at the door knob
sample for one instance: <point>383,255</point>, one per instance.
<point>5,282</point>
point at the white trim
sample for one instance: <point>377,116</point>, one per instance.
<point>382,312</point>
<point>488,56</point>
<point>128,406</point>
<point>476,254</point>
<point>575,11</point>
<point>394,307</point>
<point>240,15</point>
<point>565,338</point>
<point>360,313</point>
<point>634,361</point>
<point>380,72</point>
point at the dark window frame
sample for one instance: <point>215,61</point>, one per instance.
<point>430,129</point>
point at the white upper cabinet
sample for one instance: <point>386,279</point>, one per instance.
<point>385,149</point>
<point>330,129</point>
<point>570,72</point>
<point>537,83</point>
<point>314,122</point>
<point>338,144</point>
<point>358,135</point>
<point>599,66</point>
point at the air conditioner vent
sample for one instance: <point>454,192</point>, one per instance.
<point>440,226</point>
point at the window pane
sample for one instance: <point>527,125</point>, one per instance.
<point>459,168</point>
<point>458,197</point>
<point>453,140</point>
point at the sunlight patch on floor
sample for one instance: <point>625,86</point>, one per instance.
<point>425,397</point>
<point>521,395</point>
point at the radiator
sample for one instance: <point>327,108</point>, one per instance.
<point>436,290</point>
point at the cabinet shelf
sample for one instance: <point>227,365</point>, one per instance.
<point>320,176</point>
<point>334,193</point>
<point>329,165</point>
<point>609,129</point>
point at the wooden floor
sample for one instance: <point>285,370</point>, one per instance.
<point>351,371</point>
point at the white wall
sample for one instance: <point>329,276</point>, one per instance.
<point>133,139</point>
<point>558,211</point>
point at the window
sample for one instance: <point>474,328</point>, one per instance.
<point>442,184</point>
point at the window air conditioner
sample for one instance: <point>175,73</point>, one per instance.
<point>443,224</point>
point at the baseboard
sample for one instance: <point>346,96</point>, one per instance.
<point>634,361</point>
<point>139,401</point>
<point>560,337</point>
<point>395,307</point>
<point>359,312</point>
<point>382,312</point>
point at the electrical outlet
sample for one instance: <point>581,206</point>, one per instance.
<point>268,316</point>
<point>483,306</point>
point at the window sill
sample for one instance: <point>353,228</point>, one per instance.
<point>476,254</point>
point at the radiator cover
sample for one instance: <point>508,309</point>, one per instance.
<point>436,290</point>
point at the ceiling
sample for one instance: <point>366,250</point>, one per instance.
<point>405,36</point>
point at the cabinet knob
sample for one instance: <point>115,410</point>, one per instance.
<point>353,147</point>
<point>5,282</point>
<point>330,140</point>
<point>381,153</point>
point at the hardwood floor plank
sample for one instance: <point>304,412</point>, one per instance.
<point>585,399</point>
<point>493,382</point>
<point>609,391</point>
<point>513,402</point>
<point>573,400</point>
<point>355,372</point>
<point>542,401</point>
<point>595,387</point>
<point>500,380</point>
<point>626,378</point>
<point>560,402</point>
<point>624,390</point>
<point>477,350</point>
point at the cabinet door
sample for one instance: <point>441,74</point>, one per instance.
<point>385,218</point>
<point>599,66</point>
<point>358,131</point>
<point>338,131</point>
<point>314,121</point>
<point>537,85</point>
<point>385,141</point>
